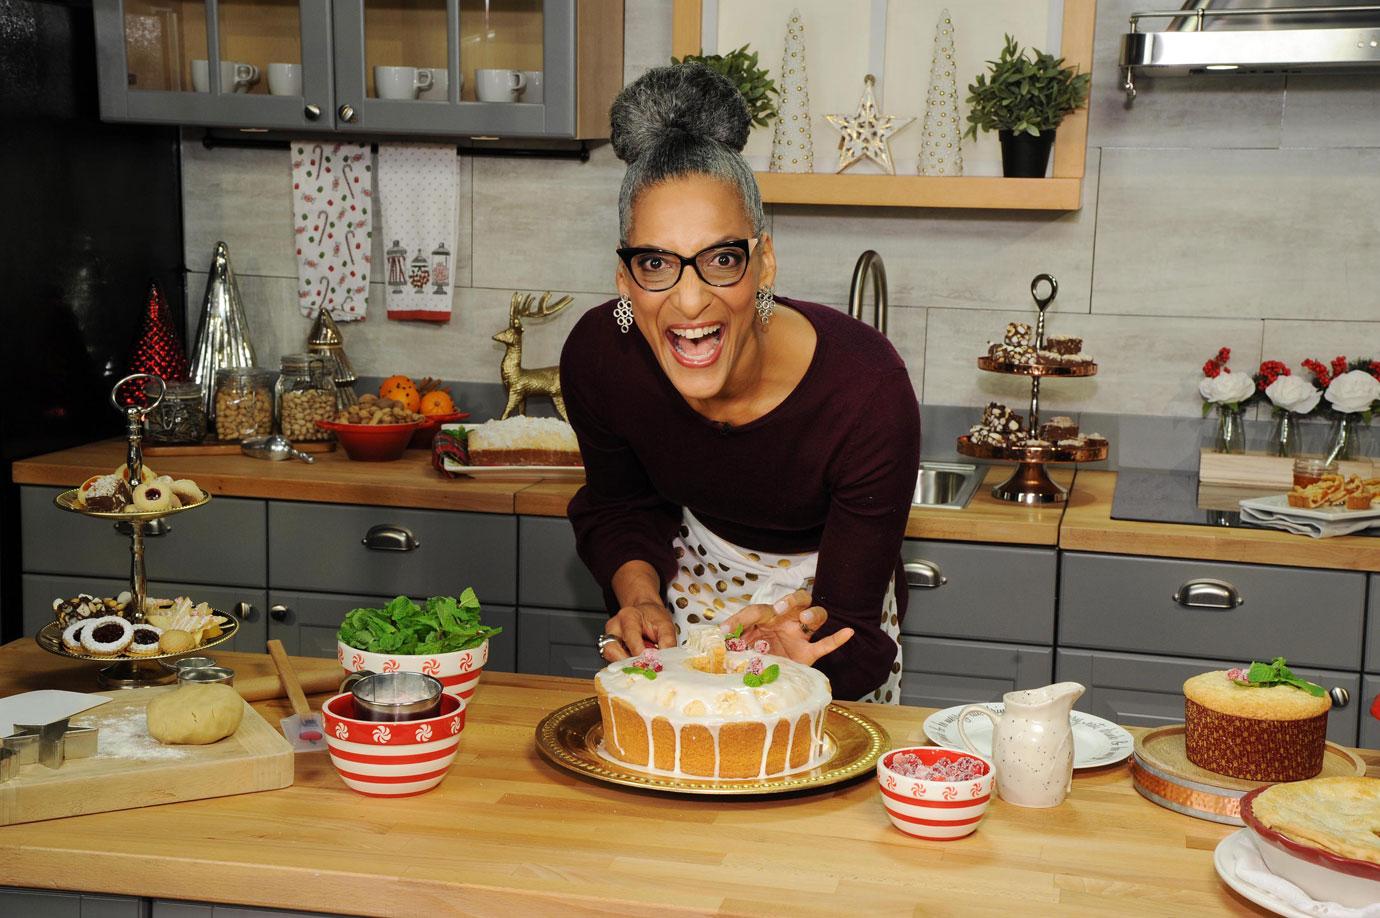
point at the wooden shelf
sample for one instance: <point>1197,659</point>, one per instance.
<point>979,192</point>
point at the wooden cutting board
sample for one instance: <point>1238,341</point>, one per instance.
<point>131,769</point>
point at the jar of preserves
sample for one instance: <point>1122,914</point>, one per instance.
<point>180,417</point>
<point>243,403</point>
<point>305,394</point>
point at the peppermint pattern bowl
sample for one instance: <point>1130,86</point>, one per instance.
<point>458,670</point>
<point>935,810</point>
<point>396,759</point>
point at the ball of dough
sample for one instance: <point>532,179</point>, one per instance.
<point>195,714</point>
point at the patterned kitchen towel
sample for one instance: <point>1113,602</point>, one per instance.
<point>419,188</point>
<point>332,203</point>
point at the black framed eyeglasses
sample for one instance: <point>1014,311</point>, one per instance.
<point>722,264</point>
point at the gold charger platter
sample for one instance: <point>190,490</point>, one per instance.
<point>569,738</point>
<point>67,500</point>
<point>1037,369</point>
<point>1162,773</point>
<point>49,637</point>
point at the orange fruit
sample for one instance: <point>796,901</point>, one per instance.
<point>437,402</point>
<point>393,382</point>
<point>407,396</point>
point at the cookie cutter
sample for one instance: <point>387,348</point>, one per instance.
<point>49,745</point>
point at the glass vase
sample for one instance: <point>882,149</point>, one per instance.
<point>1350,437</point>
<point>1287,437</point>
<point>1231,430</point>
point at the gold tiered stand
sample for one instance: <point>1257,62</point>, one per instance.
<point>132,672</point>
<point>1030,483</point>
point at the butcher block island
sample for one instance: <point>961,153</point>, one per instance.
<point>507,834</point>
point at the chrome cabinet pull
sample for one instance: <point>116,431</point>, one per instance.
<point>1340,696</point>
<point>924,575</point>
<point>312,111</point>
<point>243,611</point>
<point>347,113</point>
<point>279,612</point>
<point>387,537</point>
<point>1208,594</point>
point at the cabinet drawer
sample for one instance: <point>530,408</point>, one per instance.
<point>307,623</point>
<point>222,542</point>
<point>1147,691</point>
<point>321,547</point>
<point>1373,628</point>
<point>550,573</point>
<point>558,642</point>
<point>1313,617</point>
<point>986,591</point>
<point>251,606</point>
<point>939,673</point>
<point>1370,727</point>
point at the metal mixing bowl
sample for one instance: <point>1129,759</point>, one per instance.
<point>397,696</point>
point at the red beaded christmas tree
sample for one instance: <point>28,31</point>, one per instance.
<point>159,350</point>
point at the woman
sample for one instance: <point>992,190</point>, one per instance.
<point>749,459</point>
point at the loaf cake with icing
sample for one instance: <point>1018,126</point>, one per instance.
<point>521,440</point>
<point>704,710</point>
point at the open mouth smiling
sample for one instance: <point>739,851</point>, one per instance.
<point>696,346</point>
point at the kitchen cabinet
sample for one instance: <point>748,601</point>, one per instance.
<point>1147,690</point>
<point>559,642</point>
<point>1373,626</point>
<point>940,673</point>
<point>1370,726</point>
<point>550,572</point>
<point>152,55</point>
<point>972,591</point>
<point>47,903</point>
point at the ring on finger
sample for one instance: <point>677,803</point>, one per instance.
<point>604,641</point>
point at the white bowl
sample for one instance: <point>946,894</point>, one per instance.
<point>458,670</point>
<point>934,810</point>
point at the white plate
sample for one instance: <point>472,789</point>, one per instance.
<point>1096,742</point>
<point>1278,504</point>
<point>1224,859</point>
<point>567,472</point>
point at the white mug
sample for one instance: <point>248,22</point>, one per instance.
<point>234,76</point>
<point>492,85</point>
<point>400,82</point>
<point>533,92</point>
<point>440,83</point>
<point>285,79</point>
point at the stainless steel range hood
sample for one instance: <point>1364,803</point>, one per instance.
<point>1252,36</point>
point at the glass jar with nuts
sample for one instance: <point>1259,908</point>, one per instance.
<point>305,394</point>
<point>243,403</point>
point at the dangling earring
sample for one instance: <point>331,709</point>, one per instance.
<point>766,303</point>
<point>623,314</point>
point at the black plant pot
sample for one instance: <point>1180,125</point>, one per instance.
<point>1024,155</point>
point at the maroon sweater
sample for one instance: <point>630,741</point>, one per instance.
<point>832,468</point>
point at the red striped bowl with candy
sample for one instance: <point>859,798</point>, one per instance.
<point>458,670</point>
<point>933,793</point>
<point>395,759</point>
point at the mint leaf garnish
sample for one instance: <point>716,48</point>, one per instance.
<point>752,680</point>
<point>639,671</point>
<point>770,673</point>
<point>1277,673</point>
<point>737,632</point>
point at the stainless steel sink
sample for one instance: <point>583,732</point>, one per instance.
<point>946,485</point>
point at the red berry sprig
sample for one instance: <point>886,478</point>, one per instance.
<point>1217,365</point>
<point>1339,366</point>
<point>1320,372</point>
<point>1270,370</point>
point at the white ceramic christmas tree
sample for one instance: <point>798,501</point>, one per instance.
<point>939,148</point>
<point>792,145</point>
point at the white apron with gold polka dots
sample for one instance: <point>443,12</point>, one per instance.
<point>715,578</point>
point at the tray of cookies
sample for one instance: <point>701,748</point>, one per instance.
<point>112,496</point>
<point>107,631</point>
<point>1332,498</point>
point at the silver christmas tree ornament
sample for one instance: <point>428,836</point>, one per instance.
<point>868,132</point>
<point>939,149</point>
<point>222,340</point>
<point>792,143</point>
<point>325,339</point>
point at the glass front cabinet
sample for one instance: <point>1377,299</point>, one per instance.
<point>475,68</point>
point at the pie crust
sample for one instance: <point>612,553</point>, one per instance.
<point>1341,814</point>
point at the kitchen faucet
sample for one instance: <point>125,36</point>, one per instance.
<point>869,265</point>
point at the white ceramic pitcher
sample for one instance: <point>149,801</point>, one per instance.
<point>1032,743</point>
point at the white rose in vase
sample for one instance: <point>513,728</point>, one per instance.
<point>1290,393</point>
<point>1227,388</point>
<point>1353,391</point>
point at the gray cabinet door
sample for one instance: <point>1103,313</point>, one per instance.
<point>249,605</point>
<point>152,83</point>
<point>940,673</point>
<point>1373,626</point>
<point>46,903</point>
<point>1147,691</point>
<point>558,642</point>
<point>1118,602</point>
<point>554,117</point>
<point>224,542</point>
<point>996,592</point>
<point>1370,726</point>
<point>550,573</point>
<point>320,547</point>
<point>307,623</point>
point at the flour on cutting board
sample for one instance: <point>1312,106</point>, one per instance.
<point>126,736</point>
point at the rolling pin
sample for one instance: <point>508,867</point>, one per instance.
<point>262,688</point>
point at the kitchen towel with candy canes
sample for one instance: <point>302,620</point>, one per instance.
<point>419,188</point>
<point>332,206</point>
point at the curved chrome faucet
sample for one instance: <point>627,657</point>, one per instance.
<point>869,265</point>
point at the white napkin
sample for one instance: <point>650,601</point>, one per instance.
<point>1318,529</point>
<point>1250,868</point>
<point>43,707</point>
<point>332,198</point>
<point>419,188</point>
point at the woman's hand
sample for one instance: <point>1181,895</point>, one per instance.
<point>789,626</point>
<point>636,626</point>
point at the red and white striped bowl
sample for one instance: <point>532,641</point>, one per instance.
<point>396,759</point>
<point>934,810</point>
<point>458,670</point>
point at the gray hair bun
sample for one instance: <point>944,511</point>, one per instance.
<point>679,103</point>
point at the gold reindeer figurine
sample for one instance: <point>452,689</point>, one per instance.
<point>523,382</point>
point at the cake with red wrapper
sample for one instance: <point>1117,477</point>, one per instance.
<point>521,440</point>
<point>1258,723</point>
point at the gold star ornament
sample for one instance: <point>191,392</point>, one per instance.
<point>867,132</point>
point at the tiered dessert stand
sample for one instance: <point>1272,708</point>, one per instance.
<point>1030,483</point>
<point>149,669</point>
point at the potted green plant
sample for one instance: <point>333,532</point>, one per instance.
<point>1023,97</point>
<point>742,71</point>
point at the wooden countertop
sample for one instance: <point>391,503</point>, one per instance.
<point>1088,526</point>
<point>506,833</point>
